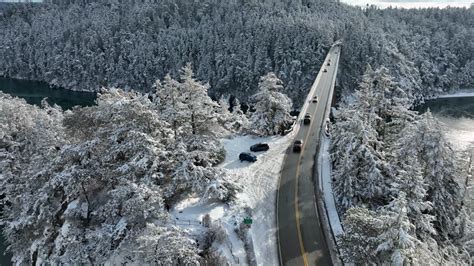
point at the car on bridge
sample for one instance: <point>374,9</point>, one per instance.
<point>298,145</point>
<point>307,119</point>
<point>327,123</point>
<point>315,99</point>
<point>259,147</point>
<point>247,156</point>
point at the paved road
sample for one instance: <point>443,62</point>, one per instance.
<point>301,240</point>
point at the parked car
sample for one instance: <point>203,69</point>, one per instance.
<point>259,147</point>
<point>307,119</point>
<point>325,70</point>
<point>298,145</point>
<point>315,99</point>
<point>247,156</point>
<point>328,64</point>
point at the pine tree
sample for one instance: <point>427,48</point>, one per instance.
<point>202,110</point>
<point>159,245</point>
<point>358,154</point>
<point>81,186</point>
<point>170,103</point>
<point>397,242</point>
<point>439,171</point>
<point>408,178</point>
<point>272,107</point>
<point>359,242</point>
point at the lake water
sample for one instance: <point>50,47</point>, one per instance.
<point>457,118</point>
<point>33,92</point>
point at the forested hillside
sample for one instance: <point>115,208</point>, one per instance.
<point>84,45</point>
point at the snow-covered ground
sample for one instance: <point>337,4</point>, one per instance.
<point>258,182</point>
<point>188,214</point>
<point>459,131</point>
<point>325,182</point>
<point>465,93</point>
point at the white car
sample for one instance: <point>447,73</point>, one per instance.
<point>326,126</point>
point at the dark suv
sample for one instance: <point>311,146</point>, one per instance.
<point>247,156</point>
<point>298,145</point>
<point>307,119</point>
<point>259,147</point>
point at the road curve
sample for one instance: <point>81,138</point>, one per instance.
<point>301,240</point>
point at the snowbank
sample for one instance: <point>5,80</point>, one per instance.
<point>188,214</point>
<point>258,182</point>
<point>460,94</point>
<point>324,167</point>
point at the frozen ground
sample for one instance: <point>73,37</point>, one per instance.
<point>466,93</point>
<point>324,167</point>
<point>459,131</point>
<point>258,182</point>
<point>188,215</point>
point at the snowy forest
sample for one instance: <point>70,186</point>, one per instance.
<point>94,185</point>
<point>400,187</point>
<point>85,45</point>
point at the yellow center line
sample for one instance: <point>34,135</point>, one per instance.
<point>297,213</point>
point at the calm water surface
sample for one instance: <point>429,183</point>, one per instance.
<point>33,92</point>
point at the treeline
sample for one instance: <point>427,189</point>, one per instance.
<point>84,45</point>
<point>397,181</point>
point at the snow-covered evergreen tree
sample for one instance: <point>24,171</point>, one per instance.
<point>164,246</point>
<point>385,236</point>
<point>202,109</point>
<point>357,165</point>
<point>357,149</point>
<point>272,107</point>
<point>359,242</point>
<point>83,186</point>
<point>376,135</point>
<point>398,242</point>
<point>439,168</point>
<point>169,99</point>
<point>408,177</point>
<point>232,43</point>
